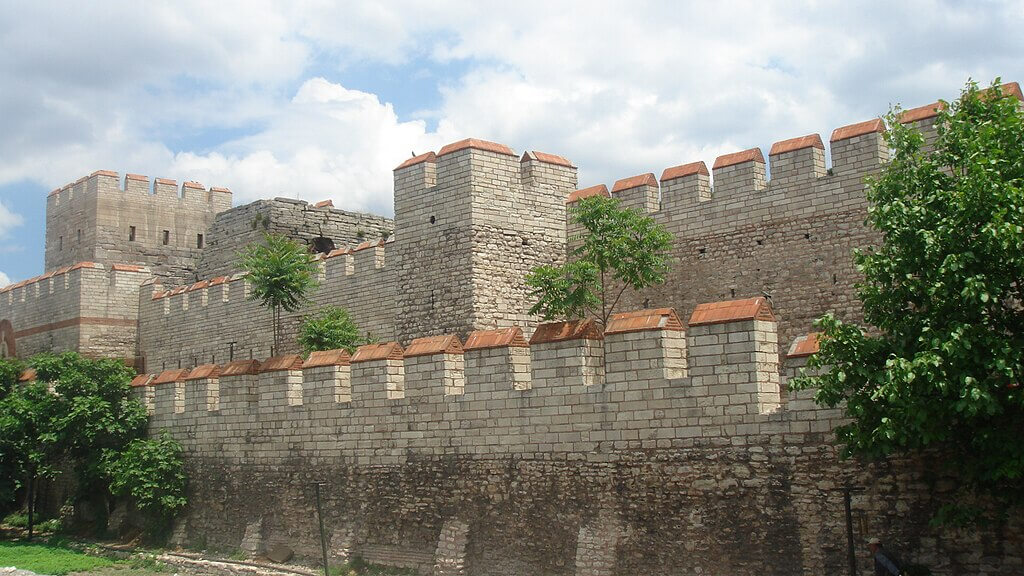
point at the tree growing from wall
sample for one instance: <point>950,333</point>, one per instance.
<point>619,249</point>
<point>331,329</point>
<point>943,365</point>
<point>90,422</point>
<point>281,272</point>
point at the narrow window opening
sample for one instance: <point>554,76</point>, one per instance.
<point>760,242</point>
<point>835,279</point>
<point>732,292</point>
<point>60,243</point>
<point>199,240</point>
<point>131,233</point>
<point>79,235</point>
<point>167,237</point>
<point>431,219</point>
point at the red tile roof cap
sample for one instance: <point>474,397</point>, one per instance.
<point>327,358</point>
<point>858,129</point>
<point>634,181</point>
<point>478,145</point>
<point>643,320</point>
<point>128,268</point>
<point>104,173</point>
<point>546,158</point>
<point>804,345</point>
<point>167,181</point>
<point>1012,89</point>
<point>599,190</point>
<point>324,204</point>
<point>136,177</point>
<point>382,351</point>
<point>194,184</point>
<point>500,338</point>
<point>809,141</point>
<point>428,157</point>
<point>281,363</point>
<point>142,380</point>
<point>168,376</point>
<point>240,367</point>
<point>564,331</point>
<point>921,112</point>
<point>204,371</point>
<point>430,345</point>
<point>684,170</point>
<point>726,160</point>
<point>732,311</point>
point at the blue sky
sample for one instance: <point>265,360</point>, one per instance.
<point>318,99</point>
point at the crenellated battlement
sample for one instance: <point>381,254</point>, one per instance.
<point>647,381</point>
<point>106,181</point>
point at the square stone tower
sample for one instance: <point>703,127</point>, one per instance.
<point>471,221</point>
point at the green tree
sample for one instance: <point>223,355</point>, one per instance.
<point>150,472</point>
<point>619,249</point>
<point>330,329</point>
<point>281,273</point>
<point>943,362</point>
<point>88,423</point>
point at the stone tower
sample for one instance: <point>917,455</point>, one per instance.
<point>471,221</point>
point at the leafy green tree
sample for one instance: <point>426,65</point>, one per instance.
<point>332,328</point>
<point>944,292</point>
<point>10,371</point>
<point>281,273</point>
<point>619,249</point>
<point>150,472</point>
<point>88,423</point>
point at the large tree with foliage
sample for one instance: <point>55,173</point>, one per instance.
<point>90,422</point>
<point>618,249</point>
<point>942,364</point>
<point>281,273</point>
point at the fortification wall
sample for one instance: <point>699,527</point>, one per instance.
<point>96,219</point>
<point>87,307</point>
<point>472,220</point>
<point>649,449</point>
<point>212,320</point>
<point>311,224</point>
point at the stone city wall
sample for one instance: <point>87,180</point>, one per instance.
<point>87,307</point>
<point>160,225</point>
<point>649,449</point>
<point>213,321</point>
<point>311,224</point>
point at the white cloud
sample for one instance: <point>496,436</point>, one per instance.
<point>4,279</point>
<point>618,88</point>
<point>8,221</point>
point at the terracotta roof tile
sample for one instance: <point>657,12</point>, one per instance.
<point>168,376</point>
<point>634,181</point>
<point>642,320</point>
<point>599,190</point>
<point>218,280</point>
<point>240,367</point>
<point>139,177</point>
<point>804,345</point>
<point>732,311</point>
<point>500,338</point>
<point>476,144</point>
<point>129,268</point>
<point>921,112</point>
<point>858,129</point>
<point>430,345</point>
<point>198,285</point>
<point>546,158</point>
<point>104,173</point>
<point>193,184</point>
<point>281,363</point>
<point>167,181</point>
<point>29,375</point>
<point>337,252</point>
<point>327,358</point>
<point>204,371</point>
<point>220,189</point>
<point>563,331</point>
<point>1012,89</point>
<point>684,170</point>
<point>428,157</point>
<point>809,141</point>
<point>726,160</point>
<point>142,380</point>
<point>382,351</point>
<point>362,246</point>
<point>324,204</point>
<point>85,265</point>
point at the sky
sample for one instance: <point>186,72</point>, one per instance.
<point>322,99</point>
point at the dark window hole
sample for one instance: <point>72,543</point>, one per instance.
<point>432,220</point>
<point>322,245</point>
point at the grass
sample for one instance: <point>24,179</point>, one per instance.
<point>359,567</point>
<point>48,558</point>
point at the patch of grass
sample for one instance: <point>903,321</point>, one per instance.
<point>48,558</point>
<point>356,566</point>
<point>17,520</point>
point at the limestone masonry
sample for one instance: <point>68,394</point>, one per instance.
<point>474,439</point>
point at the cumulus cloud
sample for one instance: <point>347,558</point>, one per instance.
<point>262,104</point>
<point>9,220</point>
<point>4,279</point>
